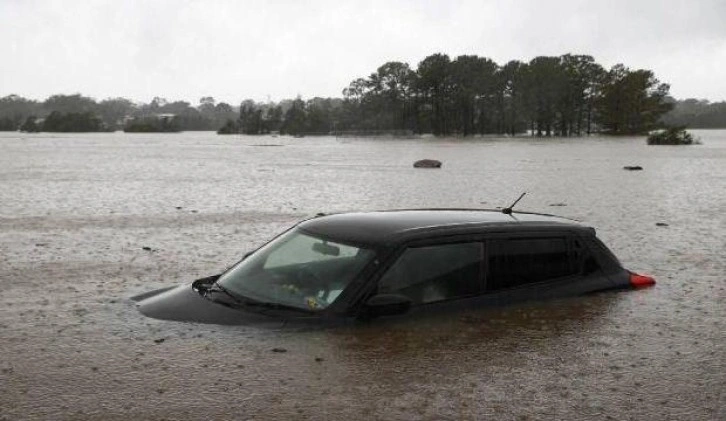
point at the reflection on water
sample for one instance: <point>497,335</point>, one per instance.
<point>77,210</point>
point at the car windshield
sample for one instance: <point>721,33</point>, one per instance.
<point>297,270</point>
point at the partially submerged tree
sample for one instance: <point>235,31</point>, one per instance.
<point>295,118</point>
<point>30,125</point>
<point>548,96</point>
<point>15,110</point>
<point>671,136</point>
<point>230,127</point>
<point>631,102</point>
<point>72,122</point>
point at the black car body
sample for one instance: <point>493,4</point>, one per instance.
<point>360,266</point>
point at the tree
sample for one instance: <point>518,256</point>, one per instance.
<point>510,90</point>
<point>595,77</point>
<point>434,85</point>
<point>230,127</point>
<point>352,115</point>
<point>472,93</point>
<point>7,124</point>
<point>390,92</point>
<point>295,117</point>
<point>113,111</point>
<point>72,122</point>
<point>30,125</point>
<point>70,104</point>
<point>151,124</point>
<point>16,109</point>
<point>696,113</point>
<point>250,117</point>
<point>273,118</point>
<point>223,108</point>
<point>632,102</point>
<point>207,107</point>
<point>549,95</point>
<point>545,83</point>
<point>157,103</point>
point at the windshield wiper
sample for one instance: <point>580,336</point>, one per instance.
<point>248,302</point>
<point>216,287</point>
<point>276,306</point>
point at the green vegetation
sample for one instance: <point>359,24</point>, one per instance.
<point>113,113</point>
<point>153,125</point>
<point>697,114</point>
<point>568,95</point>
<point>15,110</point>
<point>631,102</point>
<point>72,122</point>
<point>30,125</point>
<point>7,125</point>
<point>230,127</point>
<point>671,136</point>
<point>254,119</point>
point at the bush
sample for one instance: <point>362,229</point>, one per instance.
<point>671,136</point>
<point>7,125</point>
<point>152,125</point>
<point>231,127</point>
<point>30,125</point>
<point>72,122</point>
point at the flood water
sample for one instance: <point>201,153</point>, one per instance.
<point>77,210</point>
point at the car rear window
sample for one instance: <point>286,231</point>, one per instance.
<point>521,261</point>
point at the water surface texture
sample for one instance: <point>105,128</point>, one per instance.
<point>76,212</point>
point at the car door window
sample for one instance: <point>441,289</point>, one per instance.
<point>521,261</point>
<point>435,273</point>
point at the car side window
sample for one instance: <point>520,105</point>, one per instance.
<point>435,273</point>
<point>520,261</point>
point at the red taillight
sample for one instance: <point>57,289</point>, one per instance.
<point>641,281</point>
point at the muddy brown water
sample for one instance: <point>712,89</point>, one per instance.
<point>77,210</point>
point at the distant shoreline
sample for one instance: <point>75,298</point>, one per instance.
<point>569,95</point>
<point>422,136</point>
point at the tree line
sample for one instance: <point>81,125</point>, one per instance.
<point>697,114</point>
<point>78,113</point>
<point>566,95</point>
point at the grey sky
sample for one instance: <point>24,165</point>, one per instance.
<point>233,50</point>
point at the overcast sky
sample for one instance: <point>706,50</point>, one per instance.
<point>233,50</point>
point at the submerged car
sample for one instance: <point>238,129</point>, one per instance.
<point>360,266</point>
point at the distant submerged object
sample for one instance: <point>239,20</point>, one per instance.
<point>427,163</point>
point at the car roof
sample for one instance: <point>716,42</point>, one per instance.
<point>392,226</point>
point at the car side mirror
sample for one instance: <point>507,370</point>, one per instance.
<point>388,305</point>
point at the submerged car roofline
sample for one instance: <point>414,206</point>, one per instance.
<point>452,229</point>
<point>512,214</point>
<point>485,227</point>
<point>374,228</point>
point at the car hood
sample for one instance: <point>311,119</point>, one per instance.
<point>183,303</point>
